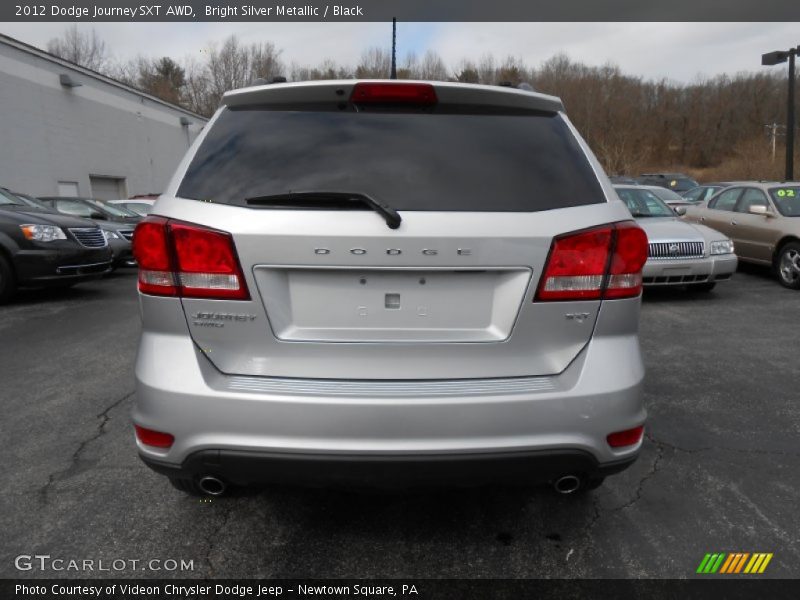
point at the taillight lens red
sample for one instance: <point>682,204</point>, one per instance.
<point>152,252</point>
<point>207,266</point>
<point>604,262</point>
<point>629,437</point>
<point>187,260</point>
<point>577,265</point>
<point>156,439</point>
<point>630,254</point>
<point>421,94</point>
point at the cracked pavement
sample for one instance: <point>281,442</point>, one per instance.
<point>718,469</point>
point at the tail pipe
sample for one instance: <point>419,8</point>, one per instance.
<point>212,486</point>
<point>567,484</point>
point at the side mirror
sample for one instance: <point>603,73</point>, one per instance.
<point>760,209</point>
<point>680,210</point>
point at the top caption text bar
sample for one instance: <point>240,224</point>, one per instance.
<point>405,10</point>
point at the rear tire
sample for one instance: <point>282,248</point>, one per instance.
<point>703,287</point>
<point>787,265</point>
<point>8,284</point>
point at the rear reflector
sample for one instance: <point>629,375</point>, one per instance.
<point>629,437</point>
<point>421,94</point>
<point>156,439</point>
<point>187,260</point>
<point>605,262</point>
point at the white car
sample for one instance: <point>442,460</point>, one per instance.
<point>679,253</point>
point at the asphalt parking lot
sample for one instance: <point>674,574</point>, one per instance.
<point>720,469</point>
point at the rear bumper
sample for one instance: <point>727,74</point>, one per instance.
<point>386,471</point>
<point>262,428</point>
<point>684,272</point>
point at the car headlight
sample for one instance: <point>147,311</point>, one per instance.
<point>722,247</point>
<point>43,233</point>
<point>111,235</point>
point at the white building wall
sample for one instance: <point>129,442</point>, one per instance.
<point>51,133</point>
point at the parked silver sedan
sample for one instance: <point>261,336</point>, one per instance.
<point>679,253</point>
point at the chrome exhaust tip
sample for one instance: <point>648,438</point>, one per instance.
<point>567,484</point>
<point>212,485</point>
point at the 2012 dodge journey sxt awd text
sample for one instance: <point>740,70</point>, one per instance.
<point>382,282</point>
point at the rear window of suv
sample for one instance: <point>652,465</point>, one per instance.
<point>422,161</point>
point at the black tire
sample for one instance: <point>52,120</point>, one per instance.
<point>703,287</point>
<point>787,265</point>
<point>8,283</point>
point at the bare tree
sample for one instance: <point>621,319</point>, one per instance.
<point>432,67</point>
<point>197,93</point>
<point>237,65</point>
<point>327,69</point>
<point>375,63</point>
<point>82,48</point>
<point>487,69</point>
<point>409,68</point>
<point>467,72</point>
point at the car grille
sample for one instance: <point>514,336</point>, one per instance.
<point>90,237</point>
<point>673,250</point>
<point>126,233</point>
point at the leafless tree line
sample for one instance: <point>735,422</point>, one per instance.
<point>713,128</point>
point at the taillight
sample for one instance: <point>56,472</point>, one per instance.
<point>421,94</point>
<point>207,266</point>
<point>604,262</point>
<point>629,437</point>
<point>187,260</point>
<point>152,252</point>
<point>630,254</point>
<point>157,439</point>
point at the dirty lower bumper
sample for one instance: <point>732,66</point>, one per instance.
<point>521,468</point>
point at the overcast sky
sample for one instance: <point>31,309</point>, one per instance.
<point>677,51</point>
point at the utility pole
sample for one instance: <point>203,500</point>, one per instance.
<point>393,74</point>
<point>790,120</point>
<point>773,129</point>
<point>775,58</point>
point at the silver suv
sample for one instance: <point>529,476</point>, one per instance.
<point>381,282</point>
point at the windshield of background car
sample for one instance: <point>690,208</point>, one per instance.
<point>140,208</point>
<point>699,194</point>
<point>787,200</point>
<point>116,211</point>
<point>666,194</point>
<point>681,183</point>
<point>432,160</point>
<point>643,203</point>
<point>73,207</point>
<point>6,198</point>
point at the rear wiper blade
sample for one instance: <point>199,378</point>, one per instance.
<point>325,199</point>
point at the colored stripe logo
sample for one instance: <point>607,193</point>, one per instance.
<point>734,563</point>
